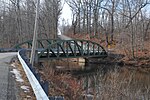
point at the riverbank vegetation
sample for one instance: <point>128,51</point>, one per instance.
<point>106,82</point>
<point>122,27</point>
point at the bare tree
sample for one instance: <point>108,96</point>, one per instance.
<point>51,12</point>
<point>110,7</point>
<point>133,11</point>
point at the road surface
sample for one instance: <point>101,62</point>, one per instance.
<point>7,82</point>
<point>63,37</point>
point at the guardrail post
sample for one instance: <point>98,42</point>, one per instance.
<point>37,75</point>
<point>45,86</point>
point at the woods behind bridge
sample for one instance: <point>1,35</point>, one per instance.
<point>124,21</point>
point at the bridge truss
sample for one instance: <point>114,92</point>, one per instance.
<point>51,48</point>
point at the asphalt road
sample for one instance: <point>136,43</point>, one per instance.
<point>7,82</point>
<point>63,37</point>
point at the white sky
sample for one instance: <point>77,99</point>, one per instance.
<point>66,14</point>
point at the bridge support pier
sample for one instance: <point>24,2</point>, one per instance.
<point>86,60</point>
<point>80,60</point>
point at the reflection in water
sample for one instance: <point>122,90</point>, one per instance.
<point>109,82</point>
<point>113,83</point>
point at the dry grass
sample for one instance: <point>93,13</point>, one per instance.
<point>119,84</point>
<point>124,85</point>
<point>62,84</point>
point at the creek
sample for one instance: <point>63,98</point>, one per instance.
<point>106,81</point>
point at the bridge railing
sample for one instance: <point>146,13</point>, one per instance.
<point>73,48</point>
<point>55,48</point>
<point>41,43</point>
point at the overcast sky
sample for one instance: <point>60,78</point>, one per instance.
<point>66,13</point>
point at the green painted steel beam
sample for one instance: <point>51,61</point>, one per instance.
<point>54,48</point>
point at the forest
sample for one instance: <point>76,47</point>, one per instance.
<point>124,21</point>
<point>122,27</point>
<point>17,19</point>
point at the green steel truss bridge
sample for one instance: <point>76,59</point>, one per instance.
<point>56,48</point>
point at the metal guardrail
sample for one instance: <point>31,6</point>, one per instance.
<point>40,88</point>
<point>37,88</point>
<point>8,50</point>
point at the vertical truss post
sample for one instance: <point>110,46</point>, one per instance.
<point>93,49</point>
<point>75,48</point>
<point>88,47</point>
<point>47,54</point>
<point>67,48</point>
<point>81,48</point>
<point>58,53</point>
<point>98,49</point>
